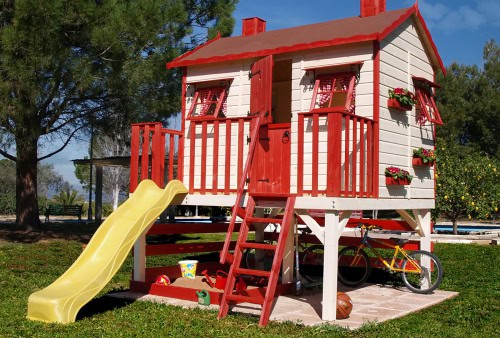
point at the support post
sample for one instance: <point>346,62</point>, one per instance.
<point>140,259</point>
<point>288,256</point>
<point>98,194</point>
<point>330,264</point>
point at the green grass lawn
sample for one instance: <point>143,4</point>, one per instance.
<point>471,270</point>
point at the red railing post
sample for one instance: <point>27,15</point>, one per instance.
<point>134,157</point>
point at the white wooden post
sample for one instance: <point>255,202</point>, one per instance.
<point>140,259</point>
<point>423,219</point>
<point>288,256</point>
<point>330,264</point>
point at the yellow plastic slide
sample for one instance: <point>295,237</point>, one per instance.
<point>105,253</point>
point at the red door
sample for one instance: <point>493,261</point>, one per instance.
<point>270,172</point>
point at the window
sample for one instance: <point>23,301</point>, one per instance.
<point>335,91</point>
<point>425,101</point>
<point>209,102</point>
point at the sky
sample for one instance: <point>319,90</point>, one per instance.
<point>459,28</point>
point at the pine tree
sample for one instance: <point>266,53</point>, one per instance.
<point>66,64</point>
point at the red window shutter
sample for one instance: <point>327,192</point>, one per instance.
<point>208,102</point>
<point>261,88</point>
<point>428,106</point>
<point>334,91</point>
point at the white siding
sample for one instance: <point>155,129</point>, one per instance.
<point>402,56</point>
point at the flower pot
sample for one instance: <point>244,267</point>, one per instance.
<point>395,104</point>
<point>418,161</point>
<point>396,181</point>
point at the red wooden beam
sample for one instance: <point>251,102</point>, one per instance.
<point>192,154</point>
<point>215,161</point>
<point>227,168</point>
<point>315,150</point>
<point>362,158</point>
<point>354,191</point>
<point>134,157</point>
<point>337,153</point>
<point>169,249</point>
<point>300,156</point>
<point>345,191</point>
<point>145,153</point>
<point>203,171</point>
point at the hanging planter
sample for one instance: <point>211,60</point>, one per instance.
<point>423,157</point>
<point>395,104</point>
<point>401,99</point>
<point>397,176</point>
<point>419,162</point>
<point>397,181</point>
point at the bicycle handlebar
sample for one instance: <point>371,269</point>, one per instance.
<point>369,226</point>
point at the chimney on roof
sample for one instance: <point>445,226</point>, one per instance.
<point>372,7</point>
<point>253,26</point>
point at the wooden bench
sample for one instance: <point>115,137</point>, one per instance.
<point>63,210</point>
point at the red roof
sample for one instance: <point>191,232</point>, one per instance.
<point>330,33</point>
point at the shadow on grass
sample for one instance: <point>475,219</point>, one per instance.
<point>101,305</point>
<point>81,232</point>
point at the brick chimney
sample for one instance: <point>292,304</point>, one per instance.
<point>253,26</point>
<point>372,7</point>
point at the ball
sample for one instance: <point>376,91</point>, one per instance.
<point>162,280</point>
<point>344,305</point>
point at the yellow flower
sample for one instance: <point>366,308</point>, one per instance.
<point>472,203</point>
<point>446,197</point>
<point>496,209</point>
<point>477,208</point>
<point>463,197</point>
<point>470,217</point>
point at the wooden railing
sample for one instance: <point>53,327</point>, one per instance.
<point>149,145</point>
<point>223,135</point>
<point>341,149</point>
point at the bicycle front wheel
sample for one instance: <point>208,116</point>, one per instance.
<point>354,266</point>
<point>422,272</point>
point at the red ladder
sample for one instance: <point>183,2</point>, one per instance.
<point>235,270</point>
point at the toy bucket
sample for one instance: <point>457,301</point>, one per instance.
<point>188,268</point>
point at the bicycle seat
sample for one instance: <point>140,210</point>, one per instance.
<point>400,241</point>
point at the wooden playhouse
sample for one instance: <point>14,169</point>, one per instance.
<point>300,119</point>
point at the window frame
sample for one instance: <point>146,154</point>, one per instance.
<point>427,105</point>
<point>334,76</point>
<point>197,100</point>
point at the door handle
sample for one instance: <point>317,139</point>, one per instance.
<point>285,138</point>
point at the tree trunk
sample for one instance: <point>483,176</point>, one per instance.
<point>455,226</point>
<point>27,214</point>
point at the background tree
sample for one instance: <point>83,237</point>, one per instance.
<point>67,64</point>
<point>467,183</point>
<point>68,196</point>
<point>469,102</point>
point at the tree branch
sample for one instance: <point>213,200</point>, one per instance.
<point>8,156</point>
<point>62,147</point>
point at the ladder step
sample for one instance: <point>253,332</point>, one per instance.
<point>229,258</point>
<point>245,299</point>
<point>261,246</point>
<point>251,272</point>
<point>264,220</point>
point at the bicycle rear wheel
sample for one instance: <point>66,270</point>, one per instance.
<point>354,266</point>
<point>311,263</point>
<point>427,280</point>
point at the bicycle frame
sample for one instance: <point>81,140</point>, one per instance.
<point>397,257</point>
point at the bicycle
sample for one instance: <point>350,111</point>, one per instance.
<point>421,271</point>
<point>308,258</point>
